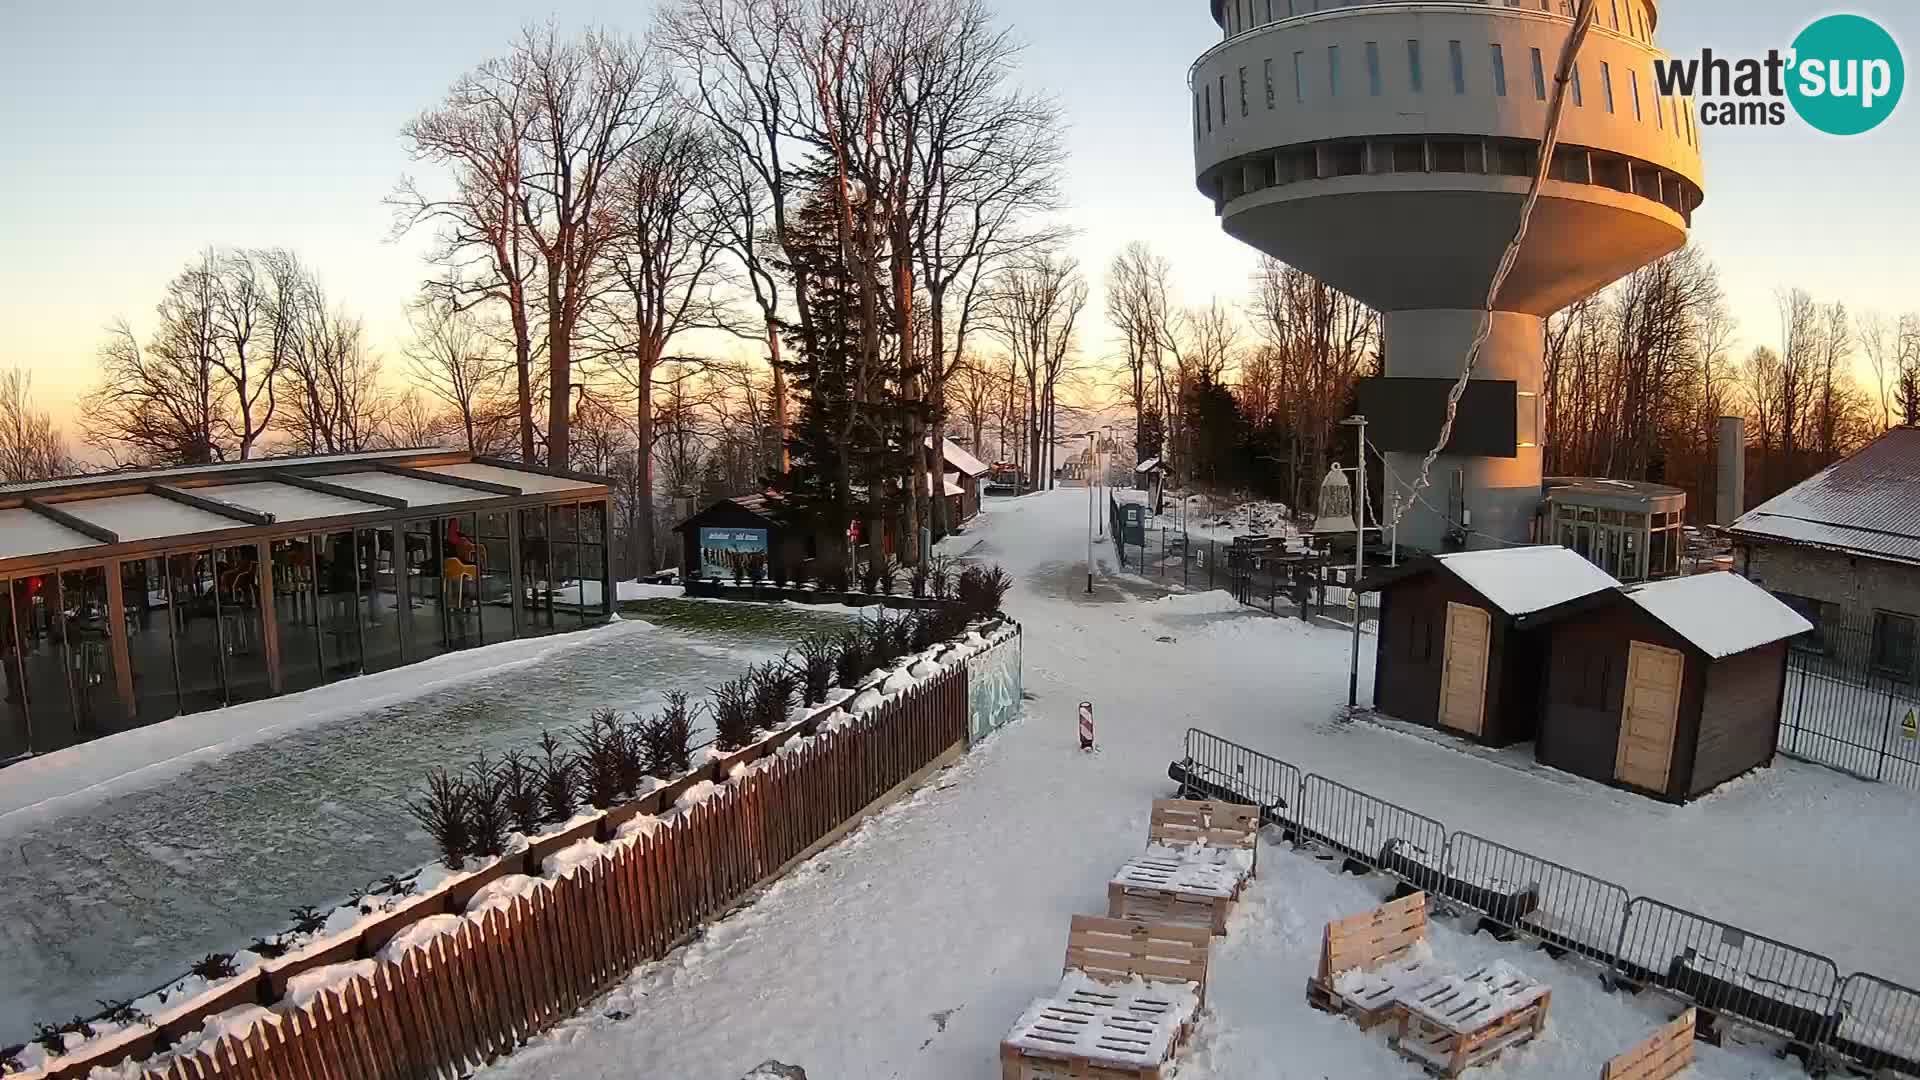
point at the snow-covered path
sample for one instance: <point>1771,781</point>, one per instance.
<point>124,860</point>
<point>908,949</point>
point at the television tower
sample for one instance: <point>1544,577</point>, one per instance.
<point>1387,148</point>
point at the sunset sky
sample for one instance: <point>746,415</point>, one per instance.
<point>134,136</point>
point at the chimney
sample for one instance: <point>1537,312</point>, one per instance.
<point>1732,486</point>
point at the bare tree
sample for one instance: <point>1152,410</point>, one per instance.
<point>454,361</point>
<point>1324,341</point>
<point>160,405</point>
<point>414,422</point>
<point>1035,310</point>
<point>1879,339</point>
<point>1906,395</point>
<point>244,358</point>
<point>973,387</point>
<point>31,448</point>
<point>1138,285</point>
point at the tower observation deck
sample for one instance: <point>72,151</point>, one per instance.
<point>1387,147</point>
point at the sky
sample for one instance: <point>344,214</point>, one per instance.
<point>134,134</point>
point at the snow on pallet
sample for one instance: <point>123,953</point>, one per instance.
<point>1367,959</point>
<point>1176,892</point>
<point>1456,1022</point>
<point>1127,999</point>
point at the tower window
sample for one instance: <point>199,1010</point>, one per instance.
<point>1207,92</point>
<point>1223,99</point>
<point>1413,64</point>
<point>1616,14</point>
<point>1459,67</point>
<point>1539,77</point>
<point>1635,76</point>
<point>1333,70</point>
<point>1606,83</point>
<point>1269,74</point>
<point>1577,98</point>
<point>1243,91</point>
<point>1373,68</point>
<point>1499,72</point>
<point>1300,77</point>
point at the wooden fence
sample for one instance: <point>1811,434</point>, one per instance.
<point>469,996</point>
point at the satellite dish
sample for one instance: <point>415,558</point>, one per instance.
<point>1336,505</point>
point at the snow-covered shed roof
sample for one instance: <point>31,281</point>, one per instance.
<point>1867,504</point>
<point>948,486</point>
<point>1520,581</point>
<point>1147,466</point>
<point>957,457</point>
<point>1722,614</point>
<point>147,517</point>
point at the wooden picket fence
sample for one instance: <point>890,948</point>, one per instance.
<point>470,996</point>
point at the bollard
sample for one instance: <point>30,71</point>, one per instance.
<point>1086,725</point>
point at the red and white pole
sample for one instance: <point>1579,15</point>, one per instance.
<point>1086,725</point>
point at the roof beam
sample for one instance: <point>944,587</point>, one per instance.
<point>544,470</point>
<point>80,525</point>
<point>212,506</point>
<point>321,487</point>
<point>487,486</point>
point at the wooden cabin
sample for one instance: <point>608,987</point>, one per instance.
<point>1451,652</point>
<point>1669,689</point>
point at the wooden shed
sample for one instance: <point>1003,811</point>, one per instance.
<point>1451,652</point>
<point>1669,689</point>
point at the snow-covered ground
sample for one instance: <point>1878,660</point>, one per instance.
<point>125,859</point>
<point>907,950</point>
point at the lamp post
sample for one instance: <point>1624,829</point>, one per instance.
<point>1359,425</point>
<point>1092,513</point>
<point>1103,446</point>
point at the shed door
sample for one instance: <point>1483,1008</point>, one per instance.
<point>1463,687</point>
<point>1648,716</point>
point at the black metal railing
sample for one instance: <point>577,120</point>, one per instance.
<point>1851,704</point>
<point>1728,972</point>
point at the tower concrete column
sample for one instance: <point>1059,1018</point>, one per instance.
<point>1478,501</point>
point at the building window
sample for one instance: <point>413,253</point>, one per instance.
<point>1616,14</point>
<point>1635,77</point>
<point>1223,99</point>
<point>1810,610</point>
<point>1373,68</point>
<point>1196,118</point>
<point>1459,67</point>
<point>1893,638</point>
<point>1299,77</point>
<point>1606,83</point>
<point>1207,92</point>
<point>1539,77</point>
<point>1413,64</point>
<point>1269,10</point>
<point>1578,98</point>
<point>1269,74</point>
<point>1499,72</point>
<point>1333,71</point>
<point>1243,91</point>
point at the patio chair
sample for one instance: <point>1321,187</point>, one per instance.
<point>1366,960</point>
<point>1128,997</point>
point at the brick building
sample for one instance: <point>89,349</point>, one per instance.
<point>1843,549</point>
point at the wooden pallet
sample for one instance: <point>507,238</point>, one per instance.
<point>1174,893</point>
<point>1445,1035</point>
<point>1092,1031</point>
<point>1660,1056</point>
<point>1369,941</point>
<point>1185,822</point>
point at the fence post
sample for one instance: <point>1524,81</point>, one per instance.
<point>1886,735</point>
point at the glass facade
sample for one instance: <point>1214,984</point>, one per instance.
<point>202,628</point>
<point>1632,545</point>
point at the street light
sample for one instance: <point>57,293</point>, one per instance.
<point>1359,425</point>
<point>1102,447</point>
<point>1092,514</point>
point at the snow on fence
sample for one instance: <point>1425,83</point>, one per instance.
<point>1726,971</point>
<point>526,951</point>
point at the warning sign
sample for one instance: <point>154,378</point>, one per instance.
<point>1910,727</point>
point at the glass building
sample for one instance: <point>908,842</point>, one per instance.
<point>1630,530</point>
<point>129,598</point>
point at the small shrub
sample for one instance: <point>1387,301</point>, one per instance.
<point>871,576</point>
<point>816,668</point>
<point>443,813</point>
<point>214,966</point>
<point>952,621</point>
<point>926,630</point>
<point>667,739</point>
<point>488,820</point>
<point>307,919</point>
<point>922,576</point>
<point>598,750</point>
<point>268,950</point>
<point>834,579</point>
<point>940,574</point>
<point>123,1012</point>
<point>520,783</point>
<point>393,886</point>
<point>889,575</point>
<point>903,634</point>
<point>51,1037</point>
<point>982,589</point>
<point>559,781</point>
<point>733,713</point>
<point>881,639</point>
<point>851,661</point>
<point>773,689</point>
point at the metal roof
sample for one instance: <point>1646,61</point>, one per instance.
<point>1867,504</point>
<point>135,513</point>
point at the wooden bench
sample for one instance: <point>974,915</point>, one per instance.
<point>1454,1023</point>
<point>1387,946</point>
<point>1187,823</point>
<point>1128,997</point>
<point>1660,1056</point>
<point>1199,857</point>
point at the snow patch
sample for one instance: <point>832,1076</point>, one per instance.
<point>307,986</point>
<point>1520,581</point>
<point>565,862</point>
<point>420,934</point>
<point>1722,613</point>
<point>499,895</point>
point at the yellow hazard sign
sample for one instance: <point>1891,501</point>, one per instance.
<point>1910,727</point>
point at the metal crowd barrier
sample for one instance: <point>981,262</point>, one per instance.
<point>1867,1021</point>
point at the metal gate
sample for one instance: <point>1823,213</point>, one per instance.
<point>1843,711</point>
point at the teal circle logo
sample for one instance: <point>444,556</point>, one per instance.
<point>1847,75</point>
